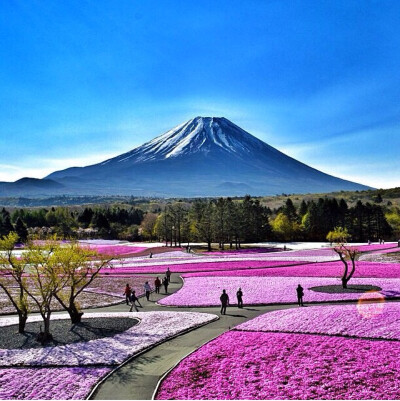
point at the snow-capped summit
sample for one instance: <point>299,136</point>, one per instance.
<point>201,134</point>
<point>205,156</point>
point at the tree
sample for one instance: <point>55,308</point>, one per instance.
<point>204,221</point>
<point>5,223</point>
<point>220,221</point>
<point>45,280</point>
<point>77,267</point>
<point>12,270</point>
<point>346,253</point>
<point>148,225</point>
<point>289,210</point>
<point>21,230</point>
<point>285,228</point>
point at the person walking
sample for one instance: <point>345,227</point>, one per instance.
<point>239,296</point>
<point>165,283</point>
<point>147,290</point>
<point>133,300</point>
<point>157,285</point>
<point>300,294</point>
<point>127,293</point>
<point>168,275</point>
<point>224,298</point>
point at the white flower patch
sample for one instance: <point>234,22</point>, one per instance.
<point>153,328</point>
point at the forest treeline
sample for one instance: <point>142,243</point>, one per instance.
<point>226,221</point>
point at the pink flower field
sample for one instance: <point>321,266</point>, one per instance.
<point>327,269</point>
<point>372,320</point>
<point>253,365</point>
<point>48,383</point>
<point>205,291</point>
<point>115,250</point>
<point>198,266</point>
<point>243,251</point>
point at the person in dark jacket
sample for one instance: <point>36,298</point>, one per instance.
<point>165,283</point>
<point>300,294</point>
<point>157,285</point>
<point>168,275</point>
<point>239,295</point>
<point>133,300</point>
<point>224,298</point>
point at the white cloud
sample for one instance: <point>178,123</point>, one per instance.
<point>43,167</point>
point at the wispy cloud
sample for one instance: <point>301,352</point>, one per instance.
<point>45,166</point>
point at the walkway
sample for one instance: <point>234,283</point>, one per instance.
<point>138,379</point>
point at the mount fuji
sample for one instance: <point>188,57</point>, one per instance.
<point>205,156</point>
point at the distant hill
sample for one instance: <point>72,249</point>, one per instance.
<point>206,156</point>
<point>26,186</point>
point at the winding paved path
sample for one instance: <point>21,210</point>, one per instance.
<point>137,380</point>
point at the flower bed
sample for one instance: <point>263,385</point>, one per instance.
<point>243,251</point>
<point>48,383</point>
<point>103,291</point>
<point>115,250</point>
<point>153,328</point>
<point>374,320</point>
<point>205,291</point>
<point>87,299</point>
<point>115,286</point>
<point>375,247</point>
<point>239,365</point>
<point>327,269</point>
<point>195,266</point>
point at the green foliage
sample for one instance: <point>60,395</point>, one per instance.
<point>339,235</point>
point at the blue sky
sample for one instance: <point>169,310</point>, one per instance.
<point>82,81</point>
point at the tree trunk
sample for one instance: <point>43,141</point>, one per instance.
<point>209,246</point>
<point>45,336</point>
<point>74,314</point>
<point>344,282</point>
<point>22,317</point>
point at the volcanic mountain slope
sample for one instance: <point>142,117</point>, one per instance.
<point>206,156</point>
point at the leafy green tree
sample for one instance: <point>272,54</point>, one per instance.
<point>346,253</point>
<point>148,225</point>
<point>284,228</point>
<point>13,278</point>
<point>77,268</point>
<point>45,280</point>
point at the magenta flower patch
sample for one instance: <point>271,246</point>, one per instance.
<point>205,291</point>
<point>328,269</point>
<point>372,320</point>
<point>251,365</point>
<point>198,266</point>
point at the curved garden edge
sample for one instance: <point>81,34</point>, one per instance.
<point>162,378</point>
<point>129,359</point>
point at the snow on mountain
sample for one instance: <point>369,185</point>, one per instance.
<point>201,134</point>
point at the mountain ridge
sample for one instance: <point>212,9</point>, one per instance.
<point>205,156</point>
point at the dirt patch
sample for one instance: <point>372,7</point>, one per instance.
<point>351,289</point>
<point>64,332</point>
